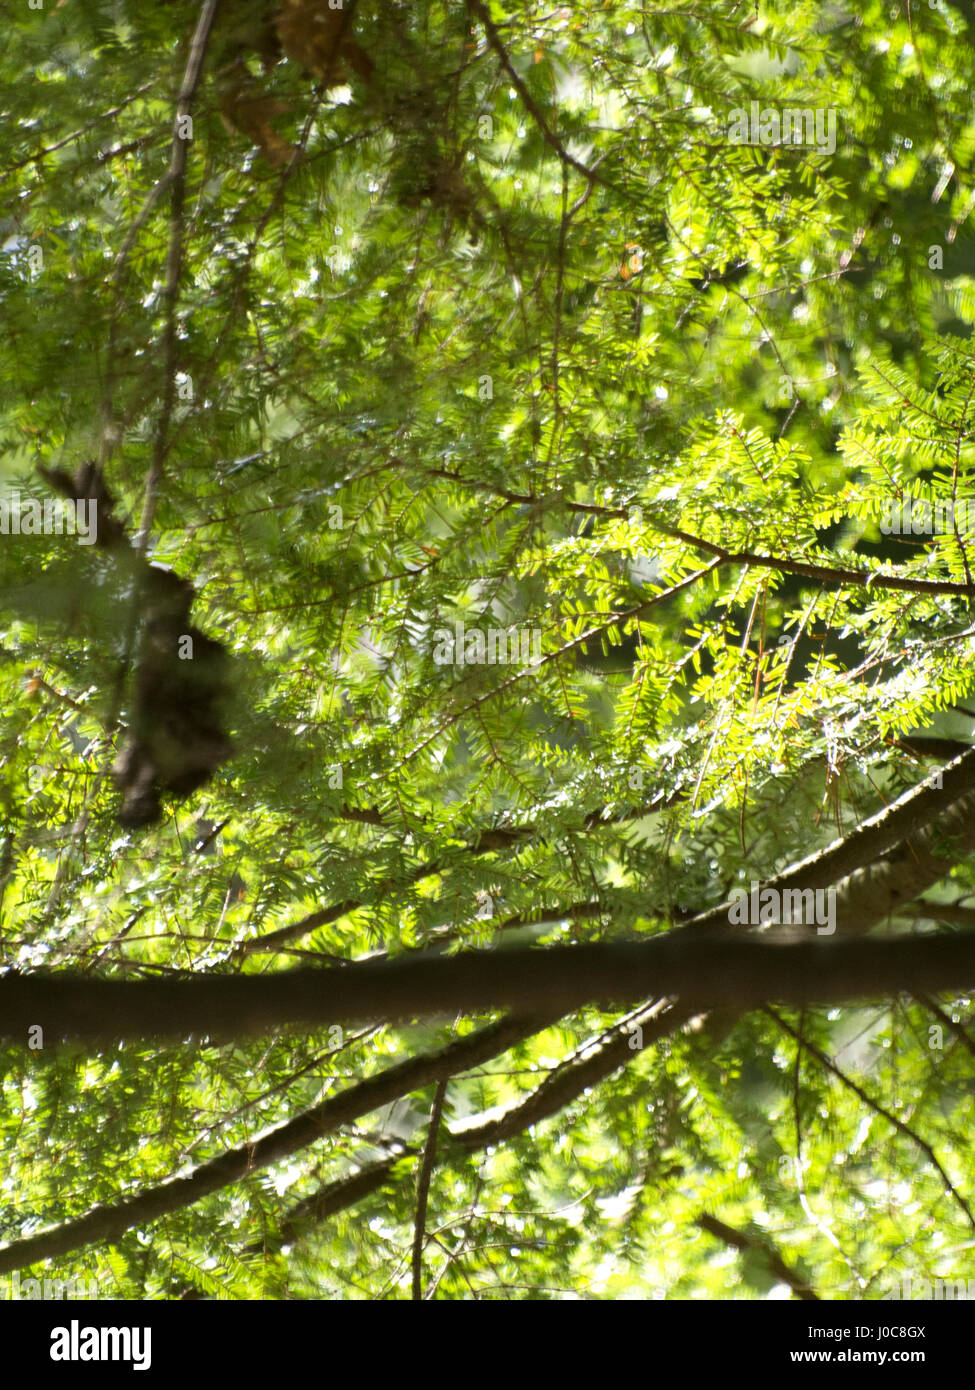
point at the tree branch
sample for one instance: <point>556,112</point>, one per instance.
<point>108,1223</point>
<point>724,970</point>
<point>423,1188</point>
<point>877,1108</point>
<point>742,1240</point>
<point>176,177</point>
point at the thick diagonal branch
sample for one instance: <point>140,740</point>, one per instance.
<point>108,1223</point>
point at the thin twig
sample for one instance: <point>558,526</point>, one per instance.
<point>423,1187</point>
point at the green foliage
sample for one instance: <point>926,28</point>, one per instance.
<point>431,371</point>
